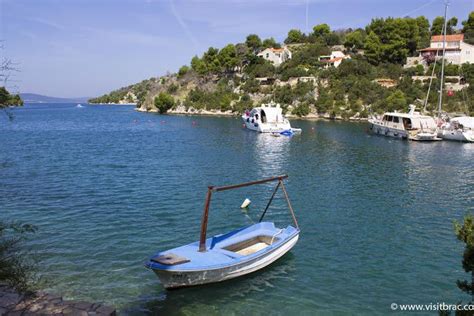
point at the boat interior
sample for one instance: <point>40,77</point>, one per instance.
<point>252,245</point>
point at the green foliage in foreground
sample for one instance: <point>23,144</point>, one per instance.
<point>16,267</point>
<point>7,99</point>
<point>465,233</point>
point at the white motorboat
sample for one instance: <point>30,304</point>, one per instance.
<point>411,125</point>
<point>458,129</point>
<point>268,118</point>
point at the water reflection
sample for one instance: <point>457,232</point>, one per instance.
<point>271,154</point>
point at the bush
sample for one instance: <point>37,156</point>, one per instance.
<point>172,88</point>
<point>164,102</point>
<point>251,86</point>
<point>301,110</point>
<point>183,70</point>
<point>16,268</point>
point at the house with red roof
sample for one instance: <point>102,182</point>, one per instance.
<point>456,50</point>
<point>335,59</point>
<point>276,56</point>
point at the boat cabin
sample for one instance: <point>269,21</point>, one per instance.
<point>267,115</point>
<point>408,122</point>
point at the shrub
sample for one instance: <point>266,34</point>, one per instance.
<point>302,109</point>
<point>164,102</point>
<point>183,70</point>
<point>16,268</point>
<point>172,88</point>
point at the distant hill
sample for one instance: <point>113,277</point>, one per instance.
<point>38,98</point>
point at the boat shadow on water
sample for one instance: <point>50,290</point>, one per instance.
<point>203,298</point>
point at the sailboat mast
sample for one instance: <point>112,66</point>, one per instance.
<point>441,85</point>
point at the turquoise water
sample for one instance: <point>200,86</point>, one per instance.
<point>108,186</point>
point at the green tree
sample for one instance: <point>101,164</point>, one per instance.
<point>270,42</point>
<point>321,30</point>
<point>295,36</point>
<point>228,57</point>
<point>324,101</point>
<point>373,48</point>
<point>211,60</point>
<point>465,233</point>
<point>301,109</point>
<point>468,29</point>
<point>396,101</point>
<point>438,25</point>
<point>253,42</point>
<point>355,40</point>
<point>164,102</point>
<point>199,66</point>
<point>7,99</point>
<point>423,32</point>
<point>183,70</point>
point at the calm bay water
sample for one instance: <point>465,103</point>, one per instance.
<point>108,186</point>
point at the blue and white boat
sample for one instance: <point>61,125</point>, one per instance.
<point>228,255</point>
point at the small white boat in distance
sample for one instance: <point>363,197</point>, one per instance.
<point>268,118</point>
<point>458,129</point>
<point>411,125</point>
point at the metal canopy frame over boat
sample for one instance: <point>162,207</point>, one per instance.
<point>205,216</point>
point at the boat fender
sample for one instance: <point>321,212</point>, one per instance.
<point>245,203</point>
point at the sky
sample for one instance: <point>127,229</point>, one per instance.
<point>75,48</point>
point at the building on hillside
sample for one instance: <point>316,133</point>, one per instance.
<point>335,59</point>
<point>457,51</point>
<point>276,56</point>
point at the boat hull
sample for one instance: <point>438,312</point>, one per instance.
<point>415,135</point>
<point>266,127</point>
<point>178,279</point>
<point>458,135</point>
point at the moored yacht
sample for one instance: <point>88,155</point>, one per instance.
<point>411,125</point>
<point>458,129</point>
<point>268,118</point>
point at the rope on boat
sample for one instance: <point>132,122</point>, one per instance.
<point>279,232</point>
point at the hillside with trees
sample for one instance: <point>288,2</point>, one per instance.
<point>7,99</point>
<point>233,78</point>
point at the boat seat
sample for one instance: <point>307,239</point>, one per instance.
<point>170,259</point>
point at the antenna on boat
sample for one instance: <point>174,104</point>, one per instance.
<point>441,85</point>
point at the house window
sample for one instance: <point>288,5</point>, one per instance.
<point>268,55</point>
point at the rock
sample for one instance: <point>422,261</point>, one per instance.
<point>83,305</point>
<point>41,303</point>
<point>10,299</point>
<point>106,310</point>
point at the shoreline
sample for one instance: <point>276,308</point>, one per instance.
<point>310,117</point>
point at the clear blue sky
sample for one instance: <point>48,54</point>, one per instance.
<point>73,48</point>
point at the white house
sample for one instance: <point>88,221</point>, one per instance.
<point>335,59</point>
<point>276,55</point>
<point>457,51</point>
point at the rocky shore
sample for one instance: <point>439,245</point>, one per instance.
<point>40,303</point>
<point>181,110</point>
